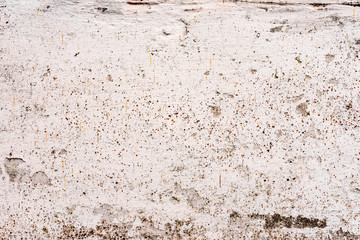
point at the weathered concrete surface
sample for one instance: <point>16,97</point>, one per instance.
<point>179,120</point>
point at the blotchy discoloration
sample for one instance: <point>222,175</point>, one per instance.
<point>278,221</point>
<point>302,109</point>
<point>103,231</point>
<point>17,173</point>
<point>40,178</point>
<point>341,234</point>
<point>329,57</point>
<point>276,29</point>
<point>192,196</point>
<point>145,229</point>
<point>215,110</point>
<point>109,213</point>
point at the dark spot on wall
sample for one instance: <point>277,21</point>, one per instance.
<point>318,4</point>
<point>302,109</point>
<point>234,215</point>
<point>335,18</point>
<point>329,57</point>
<point>62,151</point>
<point>215,110</point>
<point>348,106</point>
<point>175,199</point>
<point>276,29</point>
<point>101,9</point>
<point>166,33</point>
<point>141,2</point>
<point>192,10</point>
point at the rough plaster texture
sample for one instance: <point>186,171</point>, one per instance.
<point>179,120</point>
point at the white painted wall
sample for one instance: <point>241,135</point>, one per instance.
<point>179,119</point>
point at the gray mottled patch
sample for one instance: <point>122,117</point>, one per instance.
<point>302,109</point>
<point>109,213</point>
<point>276,29</point>
<point>40,178</point>
<point>192,197</point>
<point>15,169</point>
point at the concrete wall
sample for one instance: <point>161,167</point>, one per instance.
<point>179,120</point>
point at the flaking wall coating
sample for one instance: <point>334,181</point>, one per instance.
<point>179,120</point>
